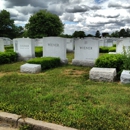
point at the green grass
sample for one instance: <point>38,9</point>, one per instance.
<point>65,96</point>
<point>70,56</point>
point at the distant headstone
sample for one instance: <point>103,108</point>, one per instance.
<point>123,42</point>
<point>86,52</point>
<point>1,45</point>
<point>25,47</point>
<point>70,44</point>
<point>108,42</point>
<point>101,42</point>
<point>55,47</point>
<point>112,53</point>
<point>38,42</point>
<point>102,74</point>
<point>115,40</point>
<point>30,68</point>
<point>7,41</point>
<point>125,76</point>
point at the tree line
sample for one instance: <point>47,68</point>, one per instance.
<point>44,23</point>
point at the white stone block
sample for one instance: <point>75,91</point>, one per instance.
<point>125,76</point>
<point>86,51</point>
<point>25,47</point>
<point>38,42</point>
<point>112,53</point>
<point>55,47</point>
<point>123,42</point>
<point>70,44</point>
<point>30,68</point>
<point>102,74</point>
<point>1,45</point>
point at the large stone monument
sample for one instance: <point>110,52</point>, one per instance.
<point>1,45</point>
<point>122,43</point>
<point>86,52</point>
<point>38,42</point>
<point>25,47</point>
<point>70,44</point>
<point>55,47</point>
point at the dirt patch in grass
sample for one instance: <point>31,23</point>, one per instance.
<point>72,72</point>
<point>2,74</point>
<point>5,73</point>
<point>19,73</point>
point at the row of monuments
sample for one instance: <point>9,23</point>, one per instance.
<point>86,50</point>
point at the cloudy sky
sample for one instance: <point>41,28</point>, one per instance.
<point>77,15</point>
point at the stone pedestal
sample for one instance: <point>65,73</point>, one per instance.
<point>30,68</point>
<point>102,74</point>
<point>125,76</point>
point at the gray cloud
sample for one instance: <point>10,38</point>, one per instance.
<point>89,15</point>
<point>115,16</point>
<point>56,9</point>
<point>68,17</point>
<point>99,15</point>
<point>27,9</point>
<point>109,16</point>
<point>77,8</point>
<point>21,18</point>
<point>117,22</point>
<point>38,3</point>
<point>119,6</point>
<point>95,7</point>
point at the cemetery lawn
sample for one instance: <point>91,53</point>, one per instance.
<point>65,96</point>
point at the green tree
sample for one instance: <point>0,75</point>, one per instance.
<point>89,35</point>
<point>115,34</point>
<point>66,35</point>
<point>18,31</point>
<point>80,34</point>
<point>105,34</point>
<point>44,23</point>
<point>7,26</point>
<point>97,34</point>
<point>128,32</point>
<point>122,33</point>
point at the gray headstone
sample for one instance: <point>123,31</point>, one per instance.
<point>25,47</point>
<point>125,76</point>
<point>1,45</point>
<point>86,52</point>
<point>55,47</point>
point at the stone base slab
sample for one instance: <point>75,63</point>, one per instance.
<point>30,68</point>
<point>17,120</point>
<point>125,76</point>
<point>83,63</point>
<point>64,61</point>
<point>102,74</point>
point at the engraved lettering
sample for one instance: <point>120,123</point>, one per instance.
<point>53,44</point>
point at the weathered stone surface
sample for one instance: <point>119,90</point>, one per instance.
<point>55,47</point>
<point>86,51</point>
<point>24,47</point>
<point>30,68</point>
<point>64,61</point>
<point>125,76</point>
<point>1,45</point>
<point>102,74</point>
<point>83,63</point>
<point>17,120</point>
<point>112,53</point>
